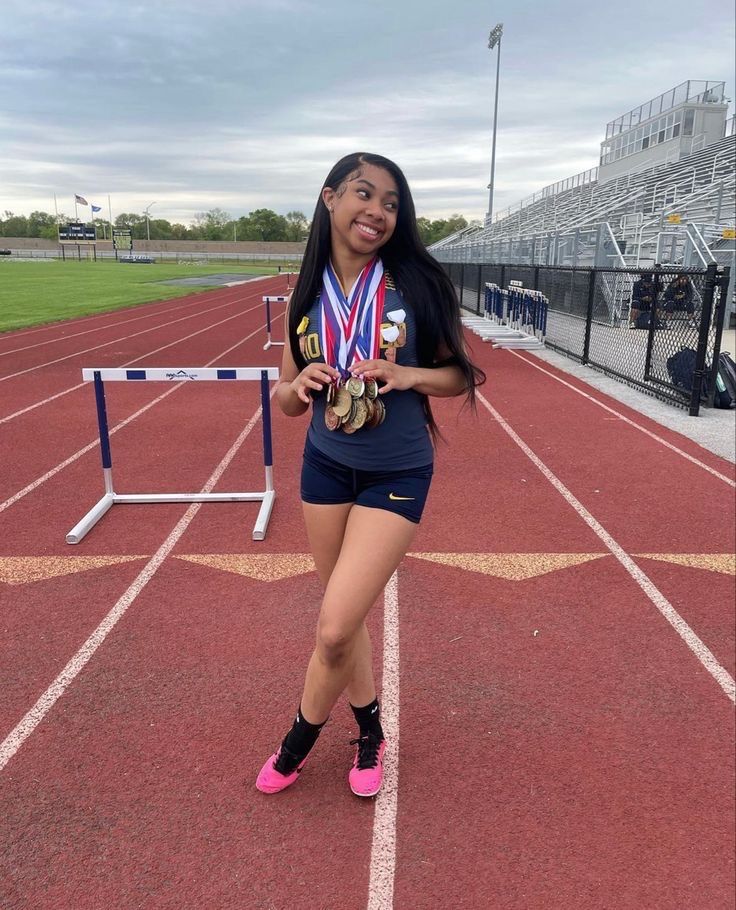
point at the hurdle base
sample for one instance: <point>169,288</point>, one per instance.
<point>83,527</point>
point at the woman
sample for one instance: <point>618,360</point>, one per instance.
<point>373,328</point>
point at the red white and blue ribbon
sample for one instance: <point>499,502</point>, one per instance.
<point>351,326</point>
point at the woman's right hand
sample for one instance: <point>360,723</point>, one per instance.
<point>313,376</point>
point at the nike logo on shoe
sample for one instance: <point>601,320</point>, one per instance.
<point>394,497</point>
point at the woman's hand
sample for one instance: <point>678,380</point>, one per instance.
<point>390,374</point>
<point>313,376</point>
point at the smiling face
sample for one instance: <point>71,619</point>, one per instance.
<point>363,212</point>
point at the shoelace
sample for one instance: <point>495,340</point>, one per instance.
<point>368,747</point>
<point>287,761</point>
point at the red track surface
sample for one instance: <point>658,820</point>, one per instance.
<point>560,744</point>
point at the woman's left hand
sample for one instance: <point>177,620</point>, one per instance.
<point>390,374</point>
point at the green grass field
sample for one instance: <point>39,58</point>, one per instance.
<point>50,290</point>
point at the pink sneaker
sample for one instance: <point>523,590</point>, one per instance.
<point>366,775</point>
<point>280,771</point>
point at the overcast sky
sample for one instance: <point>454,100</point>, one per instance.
<point>245,104</point>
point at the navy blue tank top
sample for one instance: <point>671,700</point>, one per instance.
<point>402,441</point>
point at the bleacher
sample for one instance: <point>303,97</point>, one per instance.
<point>638,206</point>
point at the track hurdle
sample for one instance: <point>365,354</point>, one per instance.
<point>163,374</point>
<point>268,301</point>
<point>513,318</point>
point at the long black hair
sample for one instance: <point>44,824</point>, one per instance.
<point>419,278</point>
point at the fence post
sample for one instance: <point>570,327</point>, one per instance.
<point>722,281</point>
<point>462,282</point>
<point>536,277</point>
<point>653,318</point>
<point>699,371</point>
<point>477,302</point>
<point>589,315</point>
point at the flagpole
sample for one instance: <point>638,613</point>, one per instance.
<point>109,209</point>
<point>76,214</point>
<point>56,209</point>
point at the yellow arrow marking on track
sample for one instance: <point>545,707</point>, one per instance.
<point>712,562</point>
<point>510,566</point>
<point>20,570</point>
<point>262,567</point>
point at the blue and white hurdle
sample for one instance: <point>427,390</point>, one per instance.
<point>513,318</point>
<point>268,301</point>
<point>178,374</point>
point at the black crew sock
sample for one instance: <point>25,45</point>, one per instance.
<point>302,735</point>
<point>369,719</point>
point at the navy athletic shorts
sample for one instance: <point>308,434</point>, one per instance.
<point>327,482</point>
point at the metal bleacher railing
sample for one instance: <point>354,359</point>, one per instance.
<point>696,189</point>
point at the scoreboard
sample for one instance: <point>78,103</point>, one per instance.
<point>122,239</point>
<point>76,232</point>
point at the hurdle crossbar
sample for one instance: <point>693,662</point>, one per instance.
<point>268,301</point>
<point>178,374</point>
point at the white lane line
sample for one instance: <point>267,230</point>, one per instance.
<point>128,363</point>
<point>99,328</point>
<point>46,702</point>
<point>78,320</point>
<point>105,344</point>
<point>72,458</point>
<point>383,848</point>
<point>632,423</point>
<point>699,649</point>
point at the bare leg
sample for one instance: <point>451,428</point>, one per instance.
<point>374,543</point>
<point>326,530</point>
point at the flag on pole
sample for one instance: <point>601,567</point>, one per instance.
<point>80,199</point>
<point>96,208</point>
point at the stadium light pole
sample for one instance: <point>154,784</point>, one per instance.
<point>494,39</point>
<point>148,226</point>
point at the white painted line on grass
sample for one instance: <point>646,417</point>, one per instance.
<point>631,423</point>
<point>383,848</point>
<point>46,702</point>
<point>128,363</point>
<point>105,344</point>
<point>72,458</point>
<point>699,649</point>
<point>77,320</point>
<point>99,328</point>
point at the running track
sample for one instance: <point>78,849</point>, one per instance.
<point>560,705</point>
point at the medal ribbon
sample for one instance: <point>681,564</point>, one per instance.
<point>351,325</point>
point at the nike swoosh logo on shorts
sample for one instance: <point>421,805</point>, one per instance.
<point>395,497</point>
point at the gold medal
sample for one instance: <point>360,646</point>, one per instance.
<point>360,412</point>
<point>355,386</point>
<point>371,388</point>
<point>381,410</point>
<point>342,402</point>
<point>370,410</point>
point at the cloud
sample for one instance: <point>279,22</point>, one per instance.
<point>244,105</point>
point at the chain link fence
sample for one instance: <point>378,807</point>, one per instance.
<point>630,324</point>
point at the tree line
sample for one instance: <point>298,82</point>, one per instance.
<point>261,224</point>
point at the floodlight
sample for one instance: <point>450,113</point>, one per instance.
<point>495,36</point>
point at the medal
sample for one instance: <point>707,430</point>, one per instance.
<point>332,421</point>
<point>351,331</point>
<point>355,386</point>
<point>342,403</point>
